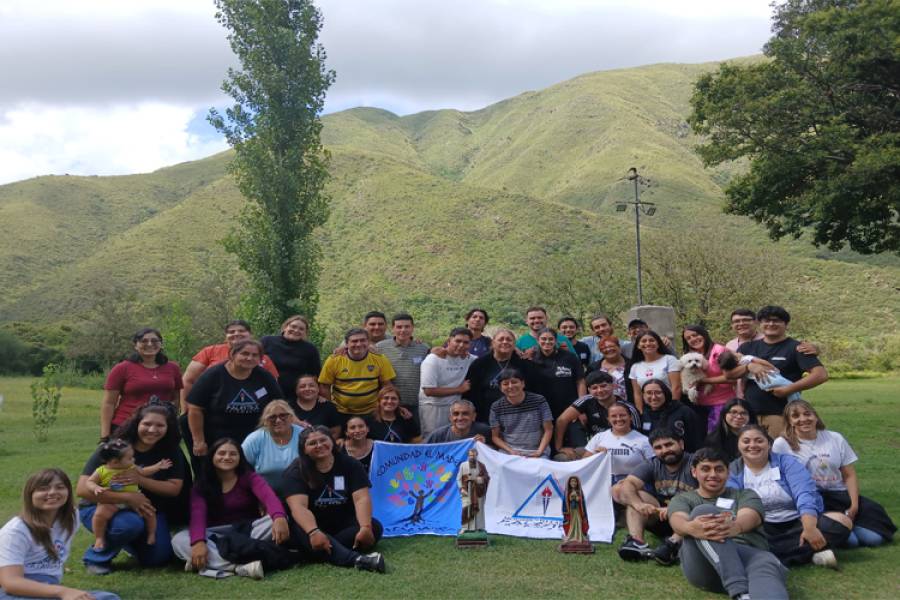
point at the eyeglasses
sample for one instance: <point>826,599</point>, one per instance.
<point>153,342</point>
<point>738,413</point>
<point>279,417</point>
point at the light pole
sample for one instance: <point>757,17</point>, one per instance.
<point>649,209</point>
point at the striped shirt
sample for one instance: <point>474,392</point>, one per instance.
<point>407,362</point>
<point>521,425</point>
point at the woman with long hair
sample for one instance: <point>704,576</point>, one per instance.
<point>652,359</point>
<point>386,424</point>
<point>328,496</point>
<point>830,461</point>
<point>734,415</point>
<point>229,397</point>
<point>146,375</point>
<point>34,545</point>
<point>228,494</point>
<point>796,524</point>
<point>357,443</point>
<point>153,434</point>
<point>696,338</point>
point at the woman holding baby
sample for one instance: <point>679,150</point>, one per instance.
<point>715,389</point>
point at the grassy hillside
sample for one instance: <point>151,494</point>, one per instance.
<point>435,211</point>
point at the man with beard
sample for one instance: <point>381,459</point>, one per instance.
<point>667,475</point>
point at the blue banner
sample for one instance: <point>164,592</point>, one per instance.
<point>414,487</point>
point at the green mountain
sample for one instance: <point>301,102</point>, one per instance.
<point>440,210</point>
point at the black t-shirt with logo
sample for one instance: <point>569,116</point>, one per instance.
<point>785,358</point>
<point>557,379</point>
<point>331,502</point>
<point>398,431</point>
<point>231,407</point>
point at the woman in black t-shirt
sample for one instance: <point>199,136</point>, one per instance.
<point>228,398</point>
<point>153,433</point>
<point>328,497</point>
<point>292,353</point>
<point>387,425</point>
<point>311,409</point>
<point>357,443</point>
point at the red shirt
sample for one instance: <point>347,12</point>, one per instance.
<point>137,383</point>
<point>218,353</point>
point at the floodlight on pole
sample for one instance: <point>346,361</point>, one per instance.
<point>649,209</point>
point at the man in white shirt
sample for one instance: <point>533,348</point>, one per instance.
<point>443,381</point>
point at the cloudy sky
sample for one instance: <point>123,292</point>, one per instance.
<point>123,86</point>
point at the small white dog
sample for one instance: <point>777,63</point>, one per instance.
<point>693,369</point>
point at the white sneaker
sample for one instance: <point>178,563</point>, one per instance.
<point>188,567</point>
<point>253,570</point>
<point>825,558</point>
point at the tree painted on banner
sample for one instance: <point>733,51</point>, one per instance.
<point>420,486</point>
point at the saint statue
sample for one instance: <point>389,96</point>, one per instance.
<point>575,521</point>
<point>472,479</point>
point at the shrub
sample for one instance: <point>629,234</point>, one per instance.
<point>45,395</point>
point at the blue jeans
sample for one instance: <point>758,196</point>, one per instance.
<point>127,530</point>
<point>860,536</point>
<point>98,595</point>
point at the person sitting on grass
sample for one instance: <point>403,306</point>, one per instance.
<point>725,548</point>
<point>328,496</point>
<point>627,448</point>
<point>34,546</point>
<point>118,458</point>
<point>668,474</point>
<point>796,524</point>
<point>829,459</point>
<point>227,496</point>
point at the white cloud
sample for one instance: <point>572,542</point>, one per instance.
<point>40,139</point>
<point>109,86</point>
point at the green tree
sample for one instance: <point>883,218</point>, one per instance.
<point>279,165</point>
<point>819,121</point>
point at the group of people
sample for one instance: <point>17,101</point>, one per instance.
<point>279,443</point>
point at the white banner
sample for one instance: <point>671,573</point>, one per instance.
<point>525,495</point>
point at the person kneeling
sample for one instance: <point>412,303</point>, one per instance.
<point>724,546</point>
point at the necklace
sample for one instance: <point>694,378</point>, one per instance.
<point>501,364</point>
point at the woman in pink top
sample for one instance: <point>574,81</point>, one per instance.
<point>228,492</point>
<point>145,376</point>
<point>696,338</point>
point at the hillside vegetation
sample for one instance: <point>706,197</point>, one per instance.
<point>440,210</point>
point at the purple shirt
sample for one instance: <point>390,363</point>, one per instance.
<point>241,503</point>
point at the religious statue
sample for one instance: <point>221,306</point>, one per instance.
<point>472,479</point>
<point>575,521</point>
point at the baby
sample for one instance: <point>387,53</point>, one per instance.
<point>772,379</point>
<point>118,459</point>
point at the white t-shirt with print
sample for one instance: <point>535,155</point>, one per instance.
<point>627,452</point>
<point>779,505</point>
<point>823,457</point>
<point>18,547</point>
<point>657,369</point>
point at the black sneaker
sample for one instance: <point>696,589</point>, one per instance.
<point>666,554</point>
<point>373,561</point>
<point>632,549</point>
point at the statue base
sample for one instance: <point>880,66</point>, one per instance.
<point>472,539</point>
<point>576,548</point>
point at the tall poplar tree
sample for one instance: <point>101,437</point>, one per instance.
<point>279,165</point>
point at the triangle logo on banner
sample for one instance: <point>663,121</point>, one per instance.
<point>544,502</point>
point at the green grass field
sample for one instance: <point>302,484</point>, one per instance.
<point>867,412</point>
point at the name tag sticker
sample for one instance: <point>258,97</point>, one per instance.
<point>725,503</point>
<point>775,472</point>
<point>261,392</point>
<point>417,360</point>
<point>647,426</point>
<point>339,483</point>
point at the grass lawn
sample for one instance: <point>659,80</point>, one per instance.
<point>867,412</point>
